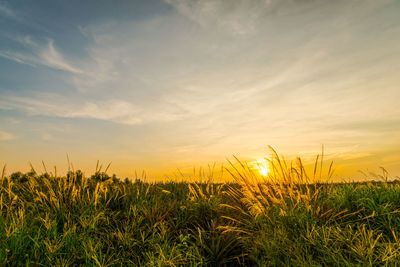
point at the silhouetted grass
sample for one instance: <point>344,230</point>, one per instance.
<point>289,218</point>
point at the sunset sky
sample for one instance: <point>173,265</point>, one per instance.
<point>161,85</point>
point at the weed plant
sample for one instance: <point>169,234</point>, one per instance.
<point>290,218</point>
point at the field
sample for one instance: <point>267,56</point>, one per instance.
<point>288,219</point>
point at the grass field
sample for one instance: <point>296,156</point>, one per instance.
<point>285,220</point>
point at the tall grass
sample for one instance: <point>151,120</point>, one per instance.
<point>292,217</point>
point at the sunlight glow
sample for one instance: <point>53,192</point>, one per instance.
<point>262,166</point>
<point>263,171</point>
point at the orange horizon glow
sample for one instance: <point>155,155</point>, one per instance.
<point>346,169</point>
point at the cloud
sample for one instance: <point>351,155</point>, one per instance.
<point>117,111</point>
<point>51,105</point>
<point>113,110</point>
<point>44,55</point>
<point>237,17</point>
<point>6,11</point>
<point>19,58</point>
<point>278,81</point>
<point>4,136</point>
<point>357,156</point>
<point>25,40</point>
<point>50,57</point>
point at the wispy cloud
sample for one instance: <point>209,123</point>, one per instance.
<point>117,111</point>
<point>236,17</point>
<point>25,40</point>
<point>19,58</point>
<point>4,136</point>
<point>275,85</point>
<point>357,156</point>
<point>6,11</point>
<point>50,57</point>
<point>40,55</point>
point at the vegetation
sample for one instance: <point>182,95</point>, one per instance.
<point>289,219</point>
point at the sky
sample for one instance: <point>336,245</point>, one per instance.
<point>176,84</point>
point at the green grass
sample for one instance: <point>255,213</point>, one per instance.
<point>283,221</point>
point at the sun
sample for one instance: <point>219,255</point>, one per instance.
<point>264,171</point>
<point>262,166</point>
